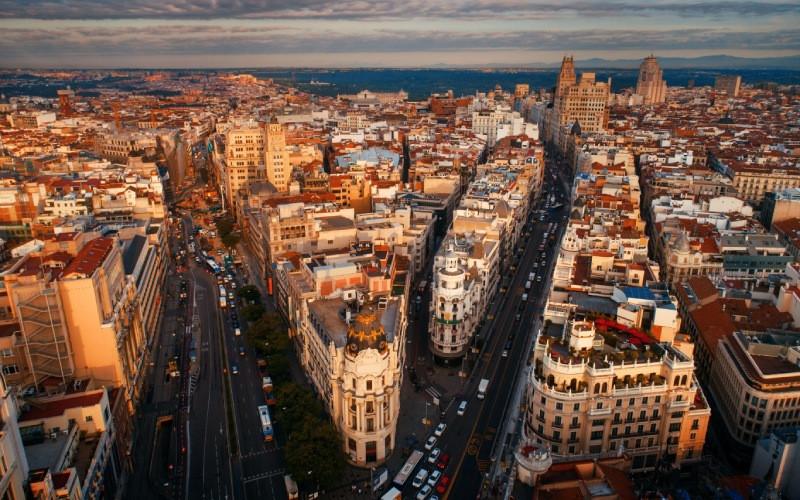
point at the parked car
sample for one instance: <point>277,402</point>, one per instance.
<point>462,408</point>
<point>444,461</point>
<point>434,456</point>
<point>443,483</point>
<point>439,429</point>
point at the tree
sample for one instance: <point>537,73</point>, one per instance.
<point>279,369</point>
<point>230,240</point>
<point>314,454</point>
<point>268,334</point>
<point>294,403</point>
<point>253,312</point>
<point>224,226</point>
<point>249,292</point>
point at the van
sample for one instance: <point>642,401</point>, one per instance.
<point>420,478</point>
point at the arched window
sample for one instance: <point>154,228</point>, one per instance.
<point>605,387</point>
<point>551,381</point>
<point>596,388</point>
<point>677,380</point>
<point>683,380</point>
<point>573,384</point>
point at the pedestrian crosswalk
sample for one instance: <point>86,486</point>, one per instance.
<point>433,392</point>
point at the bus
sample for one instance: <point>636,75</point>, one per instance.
<point>266,423</point>
<point>212,265</point>
<point>407,471</point>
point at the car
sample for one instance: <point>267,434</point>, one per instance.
<point>440,429</point>
<point>235,322</point>
<point>434,456</point>
<point>504,353</point>
<point>462,408</point>
<point>424,492</point>
<point>219,250</point>
<point>234,369</point>
<point>430,443</point>
<point>443,483</point>
<point>434,478</point>
<point>242,351</point>
<point>237,331</point>
<point>420,478</point>
<point>444,461</point>
<point>233,285</point>
<point>419,299</point>
<point>508,344</point>
<point>518,317</point>
<point>538,279</point>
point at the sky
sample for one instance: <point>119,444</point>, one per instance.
<point>383,33</point>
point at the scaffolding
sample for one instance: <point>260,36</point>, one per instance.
<point>44,334</point>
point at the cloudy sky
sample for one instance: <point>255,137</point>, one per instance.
<point>250,33</point>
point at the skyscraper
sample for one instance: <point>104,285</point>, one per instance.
<point>651,86</point>
<point>276,157</point>
<point>583,101</point>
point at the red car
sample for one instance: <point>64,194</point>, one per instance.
<point>443,461</point>
<point>442,486</point>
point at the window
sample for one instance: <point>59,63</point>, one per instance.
<point>675,427</point>
<point>10,369</point>
<point>658,399</point>
<point>596,435</point>
<point>632,401</point>
<point>89,418</point>
<point>559,406</point>
<point>369,385</point>
<point>576,407</point>
<point>8,353</point>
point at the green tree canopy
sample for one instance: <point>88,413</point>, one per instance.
<point>268,334</point>
<point>294,403</point>
<point>230,240</point>
<point>249,292</point>
<point>314,454</point>
<point>252,312</point>
<point>279,369</point>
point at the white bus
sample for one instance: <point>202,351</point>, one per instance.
<point>266,423</point>
<point>407,471</point>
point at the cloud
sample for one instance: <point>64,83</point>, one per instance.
<point>383,9</point>
<point>198,39</point>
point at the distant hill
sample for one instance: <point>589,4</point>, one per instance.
<point>705,62</point>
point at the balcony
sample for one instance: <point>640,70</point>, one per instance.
<point>684,403</point>
<point>600,411</point>
<point>574,426</point>
<point>558,425</point>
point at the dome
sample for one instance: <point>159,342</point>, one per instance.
<point>682,244</point>
<point>366,332</point>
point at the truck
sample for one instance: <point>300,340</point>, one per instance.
<point>266,386</point>
<point>482,388</point>
<point>392,494</point>
<point>532,276</point>
<point>291,487</point>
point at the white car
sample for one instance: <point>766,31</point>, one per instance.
<point>237,331</point>
<point>435,476</point>
<point>420,478</point>
<point>434,456</point>
<point>462,409</point>
<point>440,429</point>
<point>424,492</point>
<point>430,443</point>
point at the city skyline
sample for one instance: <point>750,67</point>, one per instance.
<point>218,33</point>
